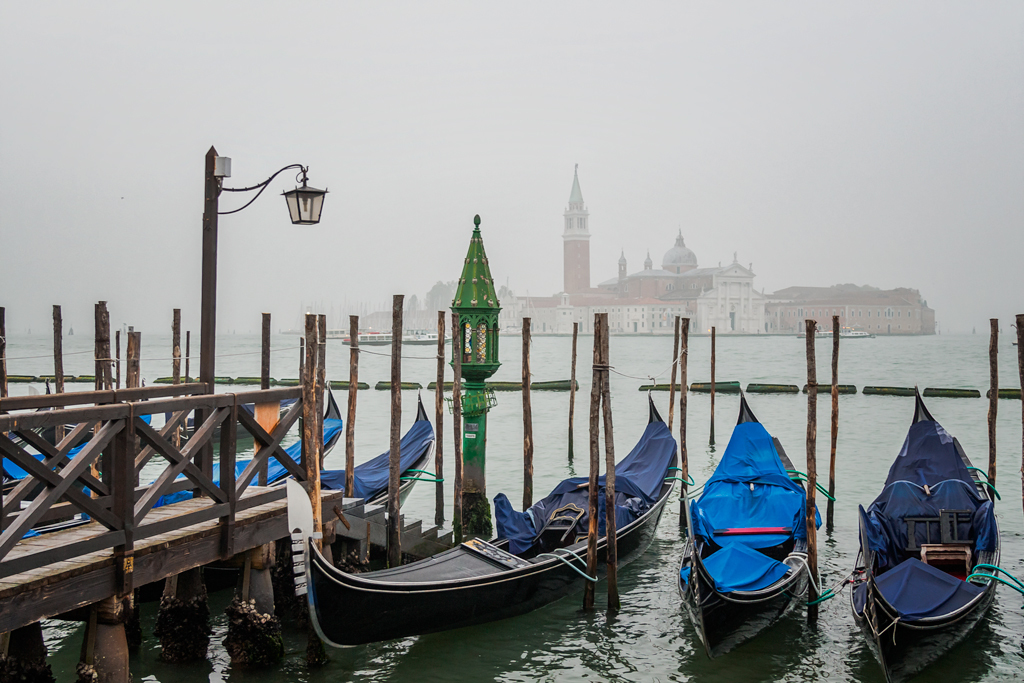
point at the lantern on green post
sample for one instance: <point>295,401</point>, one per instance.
<point>477,341</point>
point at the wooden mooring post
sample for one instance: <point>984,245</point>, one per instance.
<point>321,387</point>
<point>712,442</point>
<point>684,465</point>
<point>394,468</point>
<point>266,414</point>
<point>572,388</point>
<point>993,401</point>
<point>58,363</point>
<point>133,378</point>
<point>310,456</point>
<point>830,505</point>
<point>103,366</point>
<point>3,357</point>
<point>595,465</point>
<point>527,421</point>
<point>439,425</point>
<point>176,346</point>
<point>353,393</point>
<point>1020,371</point>
<point>812,474</point>
<point>611,537</point>
<point>188,356</point>
<point>117,359</point>
<point>457,342</point>
<point>672,380</point>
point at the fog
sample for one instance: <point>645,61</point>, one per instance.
<point>872,143</point>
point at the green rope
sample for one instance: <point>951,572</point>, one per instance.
<point>796,475</point>
<point>827,596</point>
<point>430,481</point>
<point>688,481</point>
<point>980,471</point>
<point>998,569</point>
<point>998,497</point>
<point>999,579</point>
<point>592,579</point>
<point>421,471</point>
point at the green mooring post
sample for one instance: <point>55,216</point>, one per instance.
<point>477,341</point>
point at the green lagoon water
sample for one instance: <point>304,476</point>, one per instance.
<point>650,639</point>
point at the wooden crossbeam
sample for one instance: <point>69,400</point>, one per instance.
<point>40,473</point>
<point>270,445</point>
<point>57,456</point>
<point>182,461</point>
<point>38,507</point>
<point>147,453</point>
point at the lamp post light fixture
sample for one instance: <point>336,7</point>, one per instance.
<point>304,206</point>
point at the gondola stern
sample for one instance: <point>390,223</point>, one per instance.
<point>746,414</point>
<point>421,413</point>
<point>921,413</point>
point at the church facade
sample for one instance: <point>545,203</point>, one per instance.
<point>645,301</point>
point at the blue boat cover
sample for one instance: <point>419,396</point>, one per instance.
<point>929,457</point>
<point>736,567</point>
<point>371,477</point>
<point>919,591</point>
<point>638,481</point>
<point>750,488</point>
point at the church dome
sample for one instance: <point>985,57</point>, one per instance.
<point>679,259</point>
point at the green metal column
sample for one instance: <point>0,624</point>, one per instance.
<point>477,341</point>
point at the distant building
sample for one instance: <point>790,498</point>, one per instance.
<point>878,311</point>
<point>647,301</point>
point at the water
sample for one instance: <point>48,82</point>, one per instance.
<point>650,639</point>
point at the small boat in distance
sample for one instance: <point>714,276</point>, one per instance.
<point>929,546</point>
<point>412,338</point>
<point>844,333</point>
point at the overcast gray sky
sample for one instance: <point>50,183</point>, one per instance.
<point>861,142</point>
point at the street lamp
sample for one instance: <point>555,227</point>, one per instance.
<point>304,206</point>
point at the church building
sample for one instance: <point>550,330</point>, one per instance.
<point>646,301</point>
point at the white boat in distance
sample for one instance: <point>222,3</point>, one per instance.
<point>413,338</point>
<point>844,333</point>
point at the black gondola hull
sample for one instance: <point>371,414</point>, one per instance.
<point>905,649</point>
<point>723,624</point>
<point>350,610</point>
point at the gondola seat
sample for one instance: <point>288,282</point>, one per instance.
<point>918,591</point>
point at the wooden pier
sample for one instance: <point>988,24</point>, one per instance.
<point>100,487</point>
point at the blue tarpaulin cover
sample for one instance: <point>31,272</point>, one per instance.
<point>738,568</point>
<point>638,481</point>
<point>929,457</point>
<point>919,591</point>
<point>371,477</point>
<point>750,488</point>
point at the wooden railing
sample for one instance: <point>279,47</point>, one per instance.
<point>114,443</point>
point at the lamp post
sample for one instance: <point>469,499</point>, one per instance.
<point>304,206</point>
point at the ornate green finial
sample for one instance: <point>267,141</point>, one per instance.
<point>476,220</point>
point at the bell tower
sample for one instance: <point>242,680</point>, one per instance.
<point>576,241</point>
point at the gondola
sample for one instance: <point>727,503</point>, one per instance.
<point>528,565</point>
<point>370,479</point>
<point>923,543</point>
<point>745,563</point>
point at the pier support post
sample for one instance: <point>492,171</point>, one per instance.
<point>353,392</point>
<point>672,380</point>
<point>595,466</point>
<point>439,424</point>
<point>183,622</point>
<point>23,656</point>
<point>395,452</point>
<point>105,647</point>
<point>1020,371</point>
<point>58,364</point>
<point>835,424</point>
<point>254,633</point>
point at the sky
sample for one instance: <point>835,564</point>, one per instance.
<point>867,142</point>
